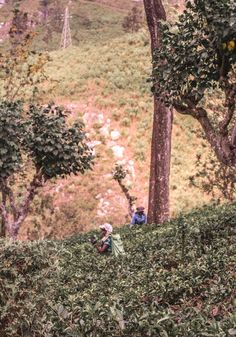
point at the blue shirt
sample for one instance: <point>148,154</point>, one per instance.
<point>139,219</point>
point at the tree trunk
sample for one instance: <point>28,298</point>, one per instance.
<point>13,216</point>
<point>158,205</point>
<point>3,224</point>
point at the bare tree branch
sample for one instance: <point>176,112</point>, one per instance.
<point>131,199</point>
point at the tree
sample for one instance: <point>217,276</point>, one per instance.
<point>41,141</point>
<point>197,60</point>
<point>214,178</point>
<point>119,174</point>
<point>134,20</point>
<point>158,208</point>
<point>19,25</point>
<point>21,68</point>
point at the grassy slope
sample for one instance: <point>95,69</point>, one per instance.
<point>163,286</point>
<point>105,73</point>
<point>111,80</point>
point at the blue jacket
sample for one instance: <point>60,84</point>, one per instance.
<point>139,219</point>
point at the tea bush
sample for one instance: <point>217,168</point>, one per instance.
<point>175,280</point>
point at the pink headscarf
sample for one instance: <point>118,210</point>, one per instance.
<point>108,228</point>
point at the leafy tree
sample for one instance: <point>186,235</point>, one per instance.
<point>197,60</point>
<point>21,68</point>
<point>119,174</point>
<point>134,20</point>
<point>40,141</point>
<point>19,25</point>
<point>158,204</point>
<point>214,178</point>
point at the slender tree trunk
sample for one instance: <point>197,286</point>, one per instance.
<point>158,205</point>
<point>3,224</point>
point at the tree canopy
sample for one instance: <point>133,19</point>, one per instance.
<point>41,140</point>
<point>197,57</point>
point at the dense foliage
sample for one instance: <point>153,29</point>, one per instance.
<point>56,148</point>
<point>196,61</point>
<point>175,280</point>
<point>41,144</point>
<point>196,52</point>
<point>44,136</point>
<point>11,129</point>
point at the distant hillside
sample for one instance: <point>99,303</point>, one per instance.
<point>107,87</point>
<point>91,21</point>
<point>102,78</point>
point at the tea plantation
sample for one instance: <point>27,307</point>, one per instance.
<point>177,280</point>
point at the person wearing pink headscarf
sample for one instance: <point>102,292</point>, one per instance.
<point>105,244</point>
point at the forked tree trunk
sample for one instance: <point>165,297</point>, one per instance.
<point>12,215</point>
<point>158,205</point>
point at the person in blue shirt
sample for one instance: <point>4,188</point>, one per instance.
<point>139,217</point>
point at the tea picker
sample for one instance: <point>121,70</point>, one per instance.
<point>109,243</point>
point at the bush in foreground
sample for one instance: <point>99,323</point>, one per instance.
<point>175,280</point>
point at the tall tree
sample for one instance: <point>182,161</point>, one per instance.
<point>158,208</point>
<point>198,76</point>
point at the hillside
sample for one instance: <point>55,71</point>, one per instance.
<point>114,96</point>
<point>91,21</point>
<point>177,280</point>
<point>102,78</point>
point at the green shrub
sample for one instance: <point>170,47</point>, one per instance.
<point>163,286</point>
<point>27,274</point>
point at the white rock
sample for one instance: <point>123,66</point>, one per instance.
<point>118,151</point>
<point>86,116</point>
<point>131,162</point>
<point>105,131</point>
<point>93,152</point>
<point>115,135</point>
<point>94,143</point>
<point>58,188</point>
<point>121,162</point>
<point>107,176</point>
<point>100,118</point>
